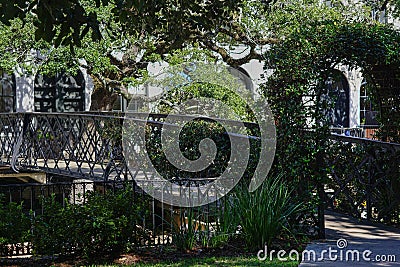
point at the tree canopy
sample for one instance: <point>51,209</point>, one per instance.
<point>115,40</point>
<point>168,25</point>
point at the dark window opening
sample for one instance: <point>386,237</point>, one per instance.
<point>120,105</point>
<point>7,92</point>
<point>60,93</point>
<point>338,92</point>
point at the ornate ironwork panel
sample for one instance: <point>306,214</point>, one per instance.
<point>364,178</point>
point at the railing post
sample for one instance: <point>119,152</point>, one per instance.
<point>321,194</point>
<point>321,211</point>
<point>369,150</point>
<point>18,144</point>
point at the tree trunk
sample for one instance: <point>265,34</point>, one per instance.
<point>102,99</point>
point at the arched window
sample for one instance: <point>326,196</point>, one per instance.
<point>60,93</point>
<point>244,77</point>
<point>7,92</point>
<point>338,92</point>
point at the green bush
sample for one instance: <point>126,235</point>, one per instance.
<point>193,132</point>
<point>189,141</point>
<point>48,235</point>
<point>264,213</point>
<point>15,225</point>
<point>106,223</point>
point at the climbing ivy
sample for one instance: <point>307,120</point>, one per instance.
<point>297,93</point>
<point>308,56</point>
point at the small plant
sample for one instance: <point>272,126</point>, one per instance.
<point>264,213</point>
<point>184,234</point>
<point>226,225</point>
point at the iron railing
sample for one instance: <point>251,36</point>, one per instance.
<point>159,220</point>
<point>363,178</point>
<point>84,146</point>
<point>82,153</point>
<point>363,174</point>
<point>355,132</point>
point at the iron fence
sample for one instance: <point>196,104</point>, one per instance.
<point>82,153</point>
<point>85,150</point>
<point>355,132</point>
<point>363,178</point>
<point>159,221</point>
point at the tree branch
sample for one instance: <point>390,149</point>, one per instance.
<point>208,44</point>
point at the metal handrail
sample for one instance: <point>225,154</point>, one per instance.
<point>362,140</point>
<point>79,145</point>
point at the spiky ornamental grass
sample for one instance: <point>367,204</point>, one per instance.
<point>264,213</point>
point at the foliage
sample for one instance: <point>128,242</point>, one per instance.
<point>288,17</point>
<point>115,40</point>
<point>186,232</point>
<point>226,227</point>
<point>193,132</point>
<point>69,21</point>
<point>189,142</point>
<point>104,224</point>
<point>265,212</point>
<point>308,57</point>
<point>111,41</point>
<point>257,217</point>
<point>213,231</point>
<point>298,96</point>
<point>176,99</point>
<point>14,225</point>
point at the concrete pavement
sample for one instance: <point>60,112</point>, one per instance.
<point>350,242</point>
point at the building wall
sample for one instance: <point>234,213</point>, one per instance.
<point>25,94</point>
<point>254,68</point>
<point>354,77</point>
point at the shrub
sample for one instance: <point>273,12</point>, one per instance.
<point>50,234</point>
<point>264,213</point>
<point>106,223</point>
<point>110,222</point>
<point>15,225</point>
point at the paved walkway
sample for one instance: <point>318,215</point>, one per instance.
<point>353,243</point>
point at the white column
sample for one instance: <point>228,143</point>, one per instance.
<point>354,78</point>
<point>25,94</point>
